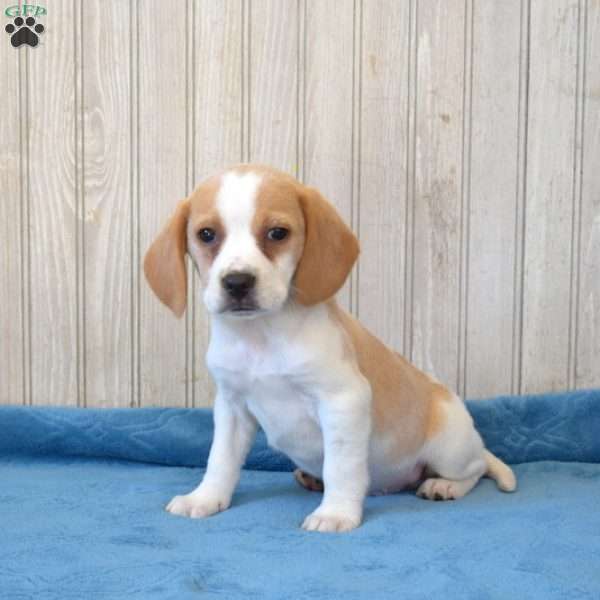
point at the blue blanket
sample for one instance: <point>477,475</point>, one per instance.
<point>81,514</point>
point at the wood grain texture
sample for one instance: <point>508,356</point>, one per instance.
<point>588,323</point>
<point>549,210</point>
<point>492,198</point>
<point>328,136</point>
<point>383,168</point>
<point>272,79</point>
<point>53,200</point>
<point>107,211</point>
<point>437,210</point>
<point>460,139</point>
<point>164,83</point>
<point>12,233</point>
<point>218,127</point>
<point>521,196</point>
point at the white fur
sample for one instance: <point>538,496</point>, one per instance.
<point>287,369</point>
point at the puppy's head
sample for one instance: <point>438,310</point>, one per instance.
<point>257,238</point>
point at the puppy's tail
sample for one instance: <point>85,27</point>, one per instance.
<point>500,472</point>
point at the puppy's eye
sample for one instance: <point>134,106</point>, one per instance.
<point>207,235</point>
<point>277,234</point>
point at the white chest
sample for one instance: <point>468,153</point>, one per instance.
<point>285,411</point>
<point>290,421</point>
<point>276,369</point>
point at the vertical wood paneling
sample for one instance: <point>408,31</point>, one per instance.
<point>492,197</point>
<point>460,139</point>
<point>164,83</point>
<point>465,196</point>
<point>273,79</point>
<point>217,86</point>
<point>411,186</point>
<point>549,209</point>
<point>218,125</point>
<point>12,233</point>
<point>384,154</point>
<point>107,211</point>
<point>79,176</point>
<point>588,323</point>
<point>328,106</point>
<point>353,282</point>
<point>437,211</point>
<point>52,234</point>
<point>521,197</point>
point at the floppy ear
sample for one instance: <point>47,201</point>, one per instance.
<point>164,263</point>
<point>330,250</point>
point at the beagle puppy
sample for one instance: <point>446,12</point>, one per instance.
<point>353,415</point>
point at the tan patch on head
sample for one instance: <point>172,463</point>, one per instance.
<point>277,206</point>
<point>204,214</point>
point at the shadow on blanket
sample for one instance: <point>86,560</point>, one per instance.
<point>81,519</point>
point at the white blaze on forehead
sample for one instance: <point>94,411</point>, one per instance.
<point>236,201</point>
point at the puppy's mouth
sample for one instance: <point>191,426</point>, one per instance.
<point>242,309</point>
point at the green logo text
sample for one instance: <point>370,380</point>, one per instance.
<point>24,10</point>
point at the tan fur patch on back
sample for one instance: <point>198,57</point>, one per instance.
<point>407,406</point>
<point>436,417</point>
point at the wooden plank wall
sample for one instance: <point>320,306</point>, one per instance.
<point>460,139</point>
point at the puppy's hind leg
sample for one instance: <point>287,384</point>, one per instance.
<point>455,454</point>
<point>307,481</point>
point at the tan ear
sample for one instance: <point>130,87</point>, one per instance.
<point>330,250</point>
<point>164,263</point>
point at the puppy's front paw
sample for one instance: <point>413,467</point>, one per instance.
<point>332,521</point>
<point>196,506</point>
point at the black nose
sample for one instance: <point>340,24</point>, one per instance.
<point>238,284</point>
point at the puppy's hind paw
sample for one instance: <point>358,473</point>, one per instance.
<point>308,482</point>
<point>437,488</point>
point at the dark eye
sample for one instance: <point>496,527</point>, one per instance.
<point>277,234</point>
<point>207,235</point>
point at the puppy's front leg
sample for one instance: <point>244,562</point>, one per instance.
<point>346,425</point>
<point>235,429</point>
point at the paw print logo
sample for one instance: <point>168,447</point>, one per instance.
<point>24,32</point>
